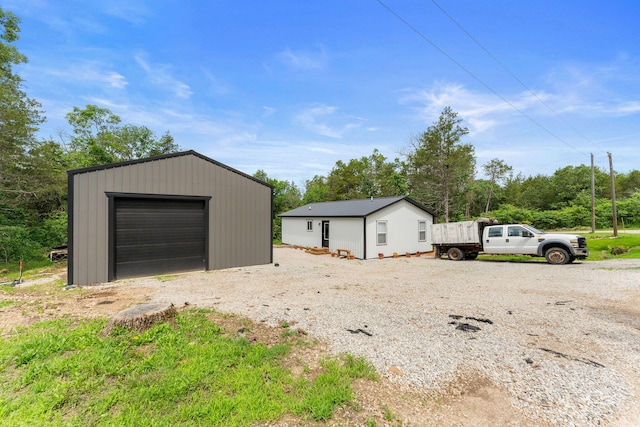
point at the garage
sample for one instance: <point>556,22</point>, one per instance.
<point>155,235</point>
<point>165,214</point>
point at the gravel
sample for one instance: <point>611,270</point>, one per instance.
<point>564,341</point>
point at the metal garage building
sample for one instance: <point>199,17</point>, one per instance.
<point>165,214</point>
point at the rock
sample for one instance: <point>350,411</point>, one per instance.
<point>395,371</point>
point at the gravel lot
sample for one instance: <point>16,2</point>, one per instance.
<point>562,341</point>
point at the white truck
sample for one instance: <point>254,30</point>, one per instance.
<point>465,240</point>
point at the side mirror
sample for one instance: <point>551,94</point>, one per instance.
<point>526,233</point>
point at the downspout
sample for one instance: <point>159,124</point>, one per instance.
<point>69,229</point>
<point>364,232</point>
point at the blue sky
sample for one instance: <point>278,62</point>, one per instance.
<point>292,86</point>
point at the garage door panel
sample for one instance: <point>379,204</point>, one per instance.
<point>130,237</point>
<point>158,251</point>
<point>161,266</point>
<point>158,236</point>
<point>158,220</point>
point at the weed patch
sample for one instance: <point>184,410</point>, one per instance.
<point>188,372</point>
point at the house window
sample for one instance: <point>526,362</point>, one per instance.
<point>309,225</point>
<point>381,230</point>
<point>422,231</point>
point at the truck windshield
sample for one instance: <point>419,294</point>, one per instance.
<point>533,230</point>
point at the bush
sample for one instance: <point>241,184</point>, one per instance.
<point>16,245</point>
<point>32,243</point>
<point>617,250</point>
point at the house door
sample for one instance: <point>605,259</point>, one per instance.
<point>325,234</point>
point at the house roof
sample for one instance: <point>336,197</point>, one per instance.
<point>162,157</point>
<point>349,208</point>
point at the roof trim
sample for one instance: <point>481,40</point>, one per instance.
<point>163,157</point>
<point>306,214</point>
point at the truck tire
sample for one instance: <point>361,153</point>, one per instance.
<point>455,254</point>
<point>557,256</point>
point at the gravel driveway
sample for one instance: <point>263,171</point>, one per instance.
<point>563,341</point>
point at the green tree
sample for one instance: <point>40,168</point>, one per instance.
<point>286,196</point>
<point>371,176</point>
<point>20,118</point>
<point>99,138</point>
<point>498,172</point>
<point>627,184</point>
<point>316,190</point>
<point>440,166</point>
<point>570,181</point>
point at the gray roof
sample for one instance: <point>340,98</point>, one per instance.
<point>349,208</point>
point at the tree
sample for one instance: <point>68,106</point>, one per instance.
<point>286,196</point>
<point>20,117</point>
<point>99,138</point>
<point>440,167</point>
<point>370,176</point>
<point>497,171</point>
<point>316,190</point>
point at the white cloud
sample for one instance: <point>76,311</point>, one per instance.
<point>479,110</point>
<point>317,120</point>
<point>161,77</point>
<point>304,60</point>
<point>92,73</point>
<point>133,12</point>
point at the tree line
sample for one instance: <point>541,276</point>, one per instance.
<point>438,169</point>
<point>33,178</point>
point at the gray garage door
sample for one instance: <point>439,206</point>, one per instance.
<point>158,236</point>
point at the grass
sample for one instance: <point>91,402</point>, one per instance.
<point>189,372</point>
<point>605,246</point>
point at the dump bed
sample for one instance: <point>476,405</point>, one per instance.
<point>465,232</point>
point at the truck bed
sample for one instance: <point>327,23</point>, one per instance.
<point>456,233</point>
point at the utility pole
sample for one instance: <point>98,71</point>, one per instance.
<point>613,197</point>
<point>593,197</point>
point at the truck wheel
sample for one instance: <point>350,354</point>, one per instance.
<point>455,254</point>
<point>557,256</point>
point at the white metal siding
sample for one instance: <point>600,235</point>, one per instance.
<point>347,233</point>
<point>344,233</point>
<point>294,232</point>
<point>402,230</point>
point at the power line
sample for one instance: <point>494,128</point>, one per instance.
<point>435,46</point>
<point>504,67</point>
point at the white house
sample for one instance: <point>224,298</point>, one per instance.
<point>366,227</point>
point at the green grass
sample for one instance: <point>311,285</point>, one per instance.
<point>189,372</point>
<point>604,246</point>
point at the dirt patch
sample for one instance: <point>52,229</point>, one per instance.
<point>470,400</point>
<point>307,297</point>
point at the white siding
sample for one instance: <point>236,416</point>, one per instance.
<point>294,232</point>
<point>402,230</point>
<point>347,233</point>
<point>344,233</point>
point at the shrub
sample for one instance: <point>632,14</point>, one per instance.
<point>617,250</point>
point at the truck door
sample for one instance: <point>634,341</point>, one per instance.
<point>519,241</point>
<point>494,240</point>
